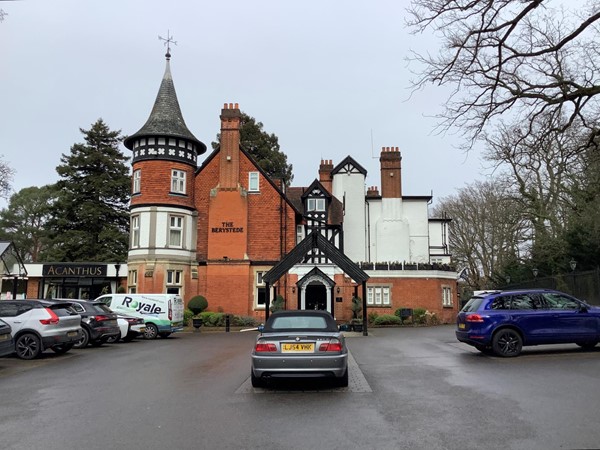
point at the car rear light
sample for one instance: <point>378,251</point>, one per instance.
<point>473,318</point>
<point>53,320</point>
<point>265,347</point>
<point>333,345</point>
<point>101,318</point>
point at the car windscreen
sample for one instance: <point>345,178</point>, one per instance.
<point>298,323</point>
<point>472,305</point>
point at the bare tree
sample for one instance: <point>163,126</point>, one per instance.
<point>6,177</point>
<point>528,58</point>
<point>487,230</point>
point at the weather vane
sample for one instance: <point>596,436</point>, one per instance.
<point>168,42</point>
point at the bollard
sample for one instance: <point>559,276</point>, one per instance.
<point>227,323</point>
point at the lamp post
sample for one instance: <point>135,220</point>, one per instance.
<point>573,264</point>
<point>535,274</point>
<point>117,267</point>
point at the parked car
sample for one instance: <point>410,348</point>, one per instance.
<point>98,322</point>
<point>7,344</point>
<point>299,344</point>
<point>38,325</point>
<point>130,328</point>
<point>503,322</point>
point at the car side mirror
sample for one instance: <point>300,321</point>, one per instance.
<point>583,308</point>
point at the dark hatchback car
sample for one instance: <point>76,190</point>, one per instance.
<point>300,344</point>
<point>7,345</point>
<point>503,322</point>
<point>98,322</point>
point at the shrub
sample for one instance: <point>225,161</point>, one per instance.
<point>277,304</point>
<point>121,290</point>
<point>197,304</point>
<point>419,315</point>
<point>373,316</point>
<point>187,317</point>
<point>431,318</point>
<point>356,307</point>
<point>214,319</point>
<point>387,319</point>
<point>244,321</point>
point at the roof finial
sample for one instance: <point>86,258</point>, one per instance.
<point>168,41</point>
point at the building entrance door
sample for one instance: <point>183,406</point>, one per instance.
<point>316,297</point>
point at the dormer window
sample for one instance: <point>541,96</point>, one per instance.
<point>315,204</point>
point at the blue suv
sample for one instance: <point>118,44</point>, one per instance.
<point>503,322</point>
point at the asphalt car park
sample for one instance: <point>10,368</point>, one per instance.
<point>422,389</point>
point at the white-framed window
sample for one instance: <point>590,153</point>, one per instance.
<point>315,204</point>
<point>178,181</point>
<point>299,233</point>
<point>379,296</point>
<point>260,290</point>
<point>446,296</point>
<point>253,182</point>
<point>174,280</point>
<point>175,231</point>
<point>132,277</point>
<point>137,181</point>
<point>435,260</point>
<point>135,231</point>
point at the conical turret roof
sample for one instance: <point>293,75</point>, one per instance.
<point>166,118</point>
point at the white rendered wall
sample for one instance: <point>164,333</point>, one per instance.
<point>350,188</point>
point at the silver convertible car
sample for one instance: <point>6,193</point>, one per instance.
<point>300,344</point>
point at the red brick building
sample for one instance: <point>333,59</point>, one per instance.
<point>218,229</point>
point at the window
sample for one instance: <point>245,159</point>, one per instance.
<point>178,181</point>
<point>137,181</point>
<point>559,301</point>
<point>315,204</point>
<point>253,182</point>
<point>260,291</point>
<point>135,231</point>
<point>299,233</point>
<point>174,278</point>
<point>378,295</point>
<point>132,282</point>
<point>446,296</point>
<point>175,231</point>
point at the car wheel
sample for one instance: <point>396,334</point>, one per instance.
<point>113,339</point>
<point>85,339</point>
<point>507,343</point>
<point>257,382</point>
<point>62,348</point>
<point>28,346</point>
<point>151,331</point>
<point>343,381</point>
<point>587,345</point>
<point>164,335</point>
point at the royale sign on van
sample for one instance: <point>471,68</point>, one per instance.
<point>147,308</point>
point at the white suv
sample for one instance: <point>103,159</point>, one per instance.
<point>38,325</point>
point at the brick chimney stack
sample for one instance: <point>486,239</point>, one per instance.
<point>325,174</point>
<point>372,191</point>
<point>391,172</point>
<point>230,146</point>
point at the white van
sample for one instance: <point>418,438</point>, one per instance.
<point>162,313</point>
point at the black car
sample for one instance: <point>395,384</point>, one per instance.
<point>7,345</point>
<point>98,321</point>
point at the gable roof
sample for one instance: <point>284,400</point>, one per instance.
<point>217,150</point>
<point>331,252</point>
<point>348,160</point>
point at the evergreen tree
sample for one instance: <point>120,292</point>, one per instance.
<point>91,217</point>
<point>264,148</point>
<point>24,221</point>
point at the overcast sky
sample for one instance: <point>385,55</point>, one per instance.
<point>328,77</point>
